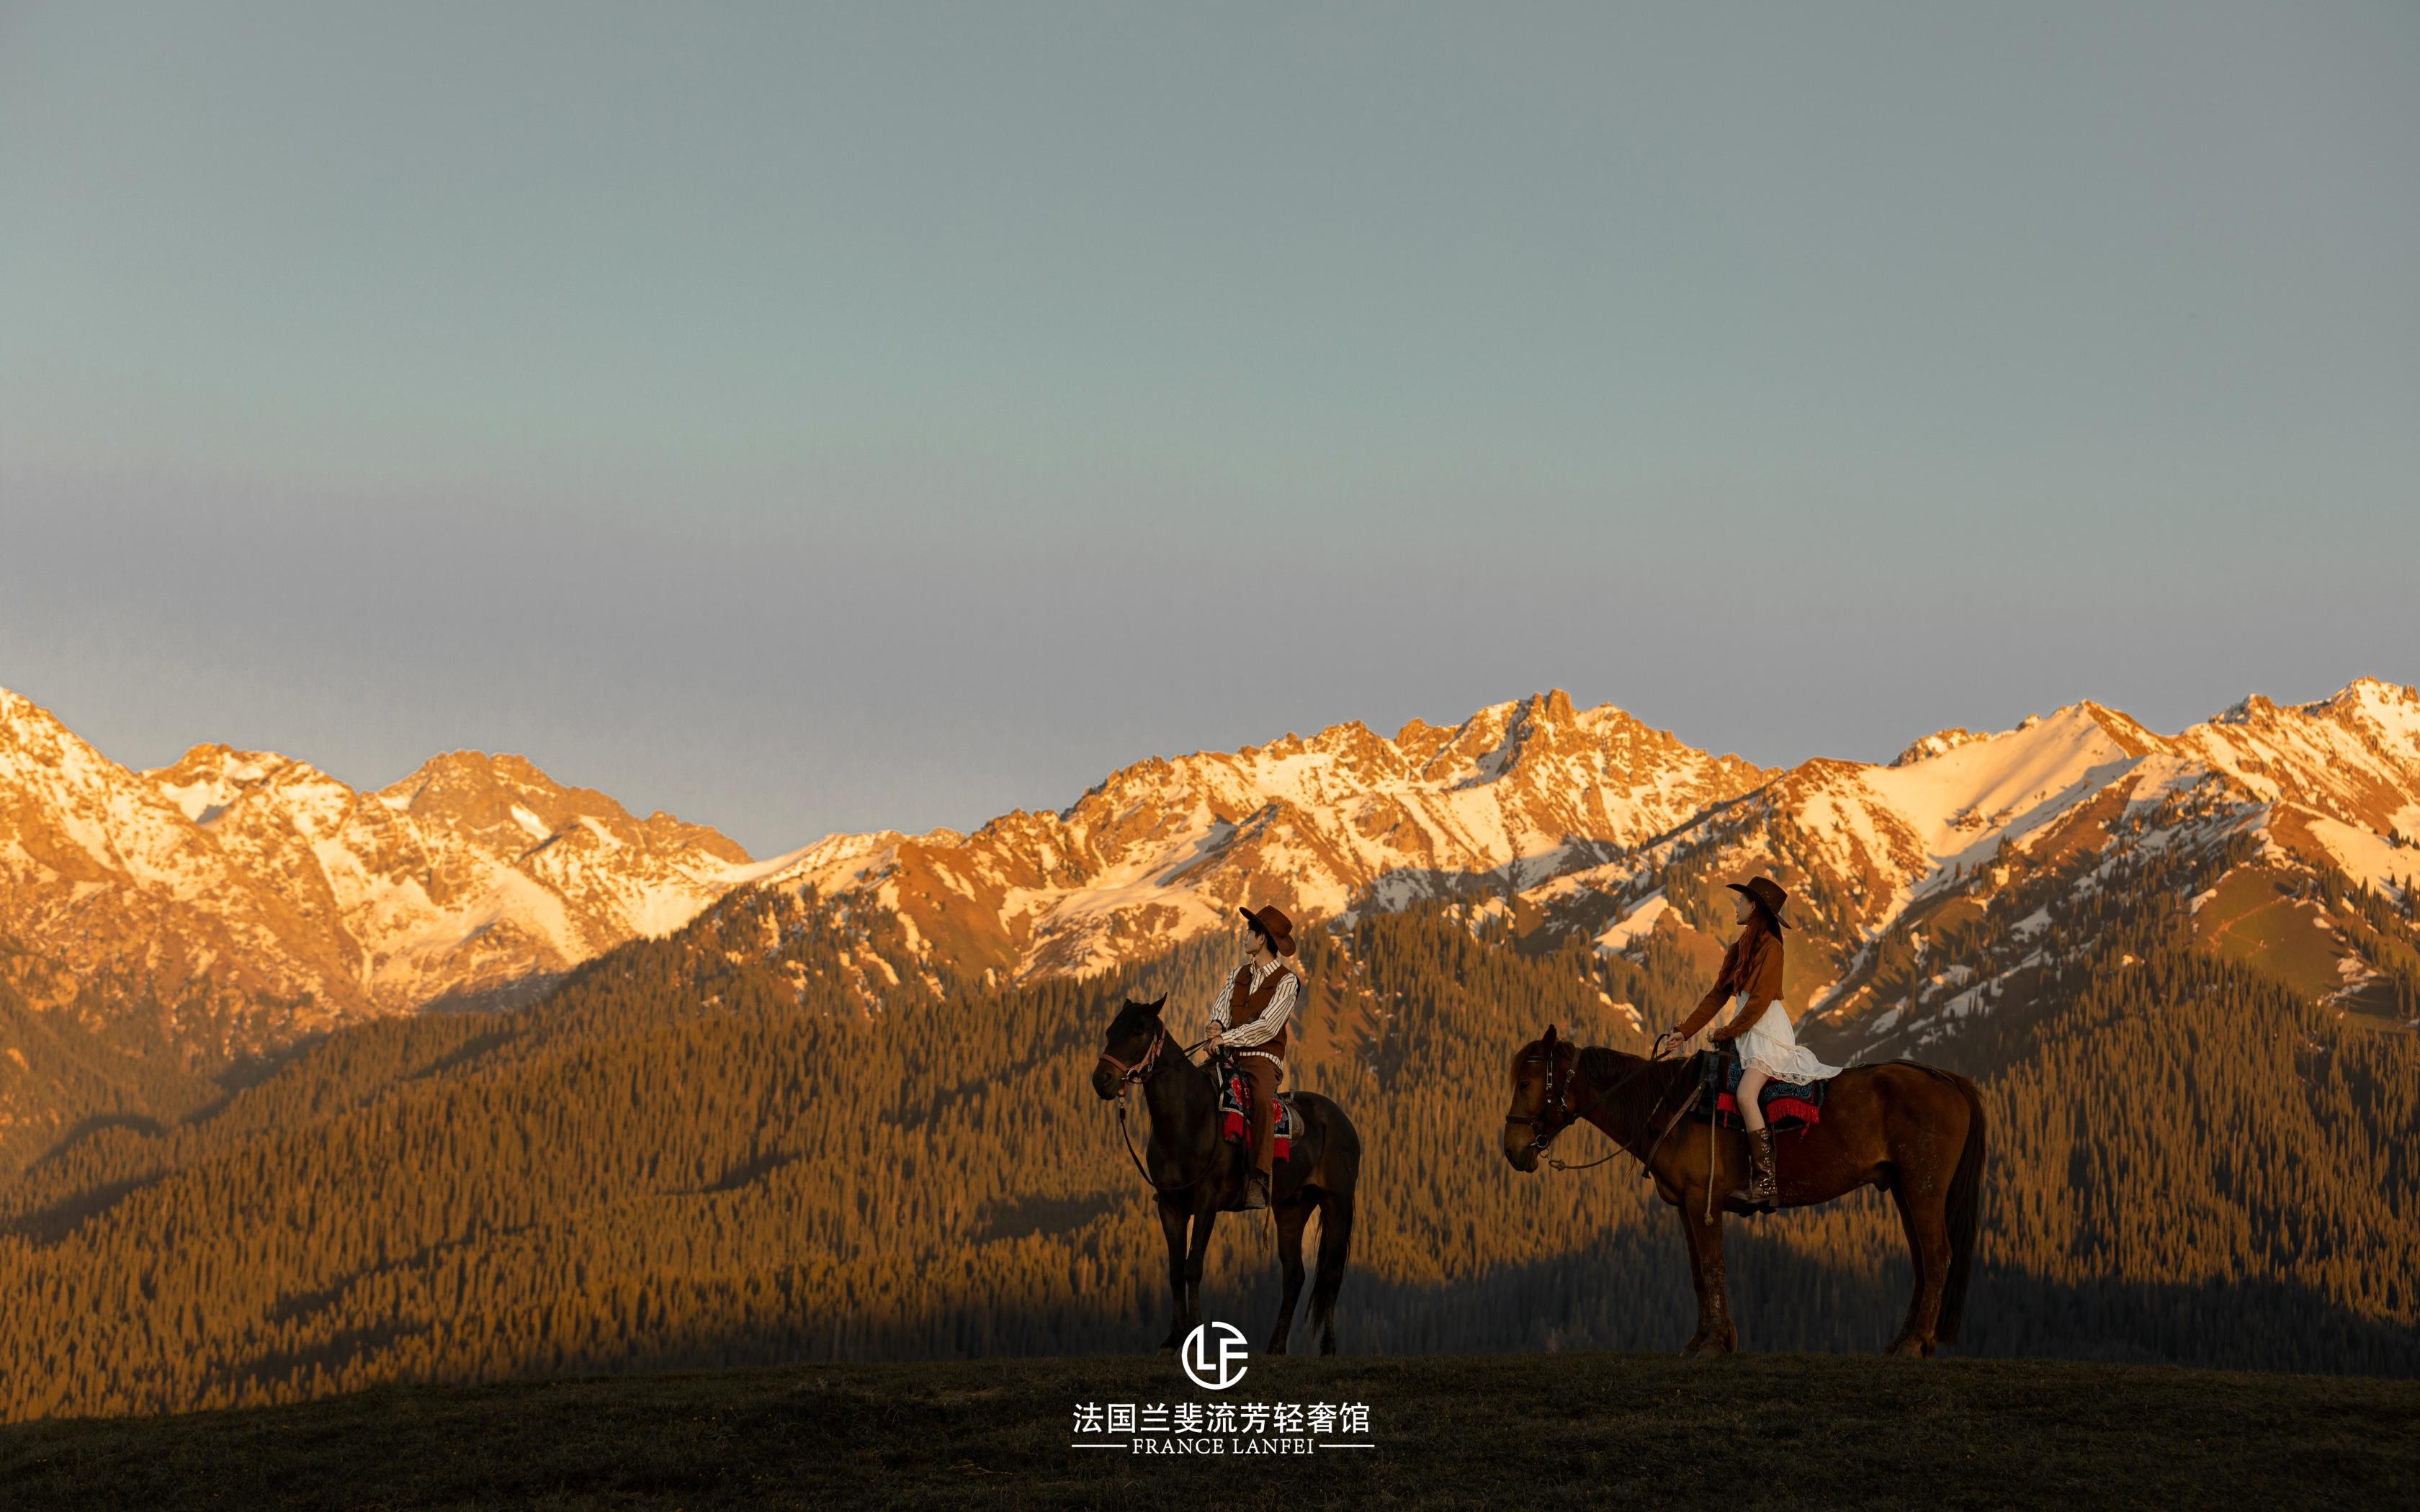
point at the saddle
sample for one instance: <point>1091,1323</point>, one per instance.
<point>1235,1111</point>
<point>1787,1105</point>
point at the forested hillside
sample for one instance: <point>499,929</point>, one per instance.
<point>706,1150</point>
<point>82,1050</point>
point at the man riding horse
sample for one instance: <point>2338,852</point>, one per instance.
<point>1248,1015</point>
<point>1196,1170</point>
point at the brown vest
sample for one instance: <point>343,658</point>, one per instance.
<point>1244,1007</point>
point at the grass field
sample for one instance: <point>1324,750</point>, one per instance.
<point>1795,1432</point>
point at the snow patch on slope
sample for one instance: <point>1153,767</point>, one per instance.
<point>1962,804</point>
<point>2362,855</point>
<point>1635,925</point>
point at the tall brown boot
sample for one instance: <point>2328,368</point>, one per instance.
<point>1762,1185</point>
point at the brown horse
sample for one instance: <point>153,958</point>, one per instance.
<point>1195,1174</point>
<point>1915,1131</point>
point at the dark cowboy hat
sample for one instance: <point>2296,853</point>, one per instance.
<point>1766,894</point>
<point>1271,921</point>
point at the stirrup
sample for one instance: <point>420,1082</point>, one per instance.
<point>1255,1194</point>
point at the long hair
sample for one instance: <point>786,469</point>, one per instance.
<point>1761,917</point>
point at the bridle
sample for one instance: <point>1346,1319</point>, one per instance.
<point>1553,1116</point>
<point>1142,1070</point>
<point>1145,1067</point>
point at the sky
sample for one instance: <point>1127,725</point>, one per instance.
<point>806,419</point>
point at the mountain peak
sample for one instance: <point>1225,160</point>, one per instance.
<point>1160,850</point>
<point>2246,710</point>
<point>208,778</point>
<point>468,765</point>
<point>1553,705</point>
<point>1938,743</point>
<point>22,722</point>
<point>2129,732</point>
<point>2391,707</point>
<point>255,872</point>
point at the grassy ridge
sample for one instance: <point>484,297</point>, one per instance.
<point>1784,1431</point>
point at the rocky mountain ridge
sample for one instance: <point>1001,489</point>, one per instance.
<point>1345,821</point>
<point>477,879</point>
<point>1958,879</point>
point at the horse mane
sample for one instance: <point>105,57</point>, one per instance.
<point>1632,1076</point>
<point>1598,1061</point>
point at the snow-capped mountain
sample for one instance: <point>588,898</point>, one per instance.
<point>1930,891</point>
<point>1947,881</point>
<point>476,879</point>
<point>1346,820</point>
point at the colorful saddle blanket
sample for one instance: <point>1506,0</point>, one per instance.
<point>1787,1104</point>
<point>1234,1124</point>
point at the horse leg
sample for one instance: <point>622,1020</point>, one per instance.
<point>1928,1245</point>
<point>1205,1213</point>
<point>1335,1246</point>
<point>1715,1335</point>
<point>1172,1220</point>
<point>1291,1219</point>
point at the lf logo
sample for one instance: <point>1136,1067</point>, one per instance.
<point>1214,1372</point>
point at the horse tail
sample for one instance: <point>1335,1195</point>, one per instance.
<point>1961,1214</point>
<point>1339,1174</point>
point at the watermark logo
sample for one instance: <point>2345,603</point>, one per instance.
<point>1214,1372</point>
<point>1212,1359</point>
<point>1224,1428</point>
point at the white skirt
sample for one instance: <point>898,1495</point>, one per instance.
<point>1772,1046</point>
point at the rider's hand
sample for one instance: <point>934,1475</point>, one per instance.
<point>1218,1032</point>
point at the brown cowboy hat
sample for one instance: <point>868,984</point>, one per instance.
<point>1270,920</point>
<point>1766,894</point>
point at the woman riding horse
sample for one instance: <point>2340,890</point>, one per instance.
<point>1759,1025</point>
<point>1913,1131</point>
<point>1901,1126</point>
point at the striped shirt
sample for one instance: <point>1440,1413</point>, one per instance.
<point>1272,1019</point>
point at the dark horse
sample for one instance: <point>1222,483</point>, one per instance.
<point>1915,1131</point>
<point>1195,1174</point>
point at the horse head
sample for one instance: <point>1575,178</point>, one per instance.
<point>1130,1046</point>
<point>1540,1069</point>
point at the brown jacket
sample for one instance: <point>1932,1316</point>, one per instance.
<point>1751,965</point>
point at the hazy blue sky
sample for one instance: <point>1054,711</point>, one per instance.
<point>808,419</point>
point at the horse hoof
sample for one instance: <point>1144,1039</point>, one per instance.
<point>1910,1349</point>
